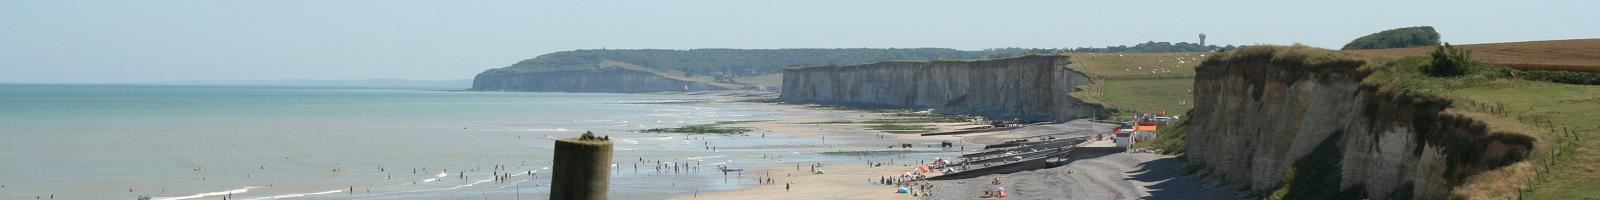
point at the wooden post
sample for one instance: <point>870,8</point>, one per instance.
<point>579,171</point>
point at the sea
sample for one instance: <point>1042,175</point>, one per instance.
<point>240,142</point>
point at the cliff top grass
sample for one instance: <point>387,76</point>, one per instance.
<point>937,61</point>
<point>1309,58</point>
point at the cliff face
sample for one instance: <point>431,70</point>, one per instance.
<point>1031,87</point>
<point>597,80</point>
<point>1262,114</point>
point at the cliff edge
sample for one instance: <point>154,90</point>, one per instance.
<point>1299,122</point>
<point>1031,88</point>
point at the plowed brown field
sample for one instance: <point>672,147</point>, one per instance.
<point>1563,55</point>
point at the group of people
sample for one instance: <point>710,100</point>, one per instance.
<point>673,167</point>
<point>998,192</point>
<point>915,183</point>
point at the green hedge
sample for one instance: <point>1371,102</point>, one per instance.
<point>1581,78</point>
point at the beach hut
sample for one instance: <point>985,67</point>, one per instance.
<point>1124,137</point>
<point>1145,131</point>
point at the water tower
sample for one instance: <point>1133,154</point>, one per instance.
<point>1202,39</point>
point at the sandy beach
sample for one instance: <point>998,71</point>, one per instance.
<point>1106,176</point>
<point>842,178</point>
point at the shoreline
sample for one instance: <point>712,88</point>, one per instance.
<point>843,178</point>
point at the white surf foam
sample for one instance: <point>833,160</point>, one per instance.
<point>542,129</point>
<point>300,194</point>
<point>649,138</point>
<point>201,195</point>
<point>436,177</point>
<point>704,157</point>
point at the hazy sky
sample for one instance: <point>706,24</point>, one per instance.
<point>59,41</point>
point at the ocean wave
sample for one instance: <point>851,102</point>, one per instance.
<point>300,194</point>
<point>703,157</point>
<point>436,177</point>
<point>514,184</point>
<point>455,187</point>
<point>542,129</point>
<point>218,193</point>
<point>650,138</point>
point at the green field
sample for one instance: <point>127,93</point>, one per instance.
<point>1139,82</point>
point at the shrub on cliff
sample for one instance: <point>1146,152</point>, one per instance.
<point>1449,61</point>
<point>1396,38</point>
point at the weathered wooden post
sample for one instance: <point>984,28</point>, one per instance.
<point>580,168</point>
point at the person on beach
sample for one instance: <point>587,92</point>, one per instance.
<point>785,187</point>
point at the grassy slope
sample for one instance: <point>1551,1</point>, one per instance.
<point>1576,172</point>
<point>1139,82</point>
<point>1529,107</point>
<point>670,75</point>
<point>774,80</point>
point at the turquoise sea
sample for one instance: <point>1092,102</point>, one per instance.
<point>200,142</point>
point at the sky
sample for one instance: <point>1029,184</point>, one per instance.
<point>68,41</point>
